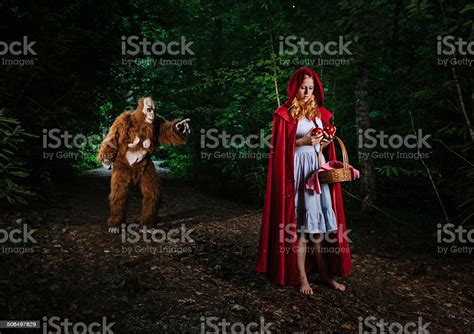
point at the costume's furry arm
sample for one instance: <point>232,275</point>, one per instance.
<point>110,145</point>
<point>167,133</point>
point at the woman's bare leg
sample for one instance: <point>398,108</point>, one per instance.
<point>323,269</point>
<point>304,286</point>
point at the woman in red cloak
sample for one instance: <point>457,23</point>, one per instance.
<point>291,212</point>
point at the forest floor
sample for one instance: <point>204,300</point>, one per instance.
<point>80,272</point>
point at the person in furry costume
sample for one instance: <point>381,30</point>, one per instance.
<point>127,150</point>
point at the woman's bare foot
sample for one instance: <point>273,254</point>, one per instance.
<point>331,282</point>
<point>305,289</point>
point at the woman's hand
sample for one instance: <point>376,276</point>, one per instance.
<point>327,139</point>
<point>309,140</point>
<point>325,142</point>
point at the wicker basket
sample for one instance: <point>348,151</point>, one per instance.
<point>336,175</point>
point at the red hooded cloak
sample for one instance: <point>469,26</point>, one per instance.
<point>277,255</point>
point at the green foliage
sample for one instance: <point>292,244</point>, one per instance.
<point>87,154</point>
<point>389,170</point>
<point>12,170</point>
<point>81,84</point>
<point>179,163</point>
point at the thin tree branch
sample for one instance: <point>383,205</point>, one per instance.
<point>373,206</point>
<point>454,152</point>
<point>428,171</point>
<point>461,103</point>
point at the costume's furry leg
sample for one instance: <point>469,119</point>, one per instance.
<point>118,200</point>
<point>149,186</point>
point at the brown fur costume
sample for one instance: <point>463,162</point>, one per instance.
<point>128,148</point>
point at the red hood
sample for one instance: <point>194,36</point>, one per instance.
<point>295,83</point>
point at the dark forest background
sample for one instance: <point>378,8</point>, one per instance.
<point>393,83</point>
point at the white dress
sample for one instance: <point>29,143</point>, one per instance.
<point>314,212</point>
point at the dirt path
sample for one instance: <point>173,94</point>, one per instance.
<point>79,272</point>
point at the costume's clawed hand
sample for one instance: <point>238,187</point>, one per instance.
<point>183,126</point>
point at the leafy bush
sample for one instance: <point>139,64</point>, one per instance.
<point>12,135</point>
